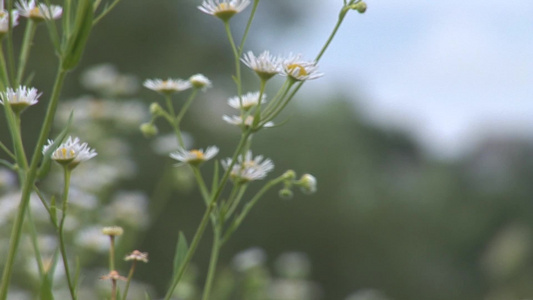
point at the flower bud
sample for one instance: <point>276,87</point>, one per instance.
<point>286,193</point>
<point>359,6</point>
<point>289,175</point>
<point>308,184</point>
<point>156,109</point>
<point>148,129</point>
<point>113,230</point>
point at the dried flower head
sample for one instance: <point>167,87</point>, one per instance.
<point>113,275</point>
<point>137,255</point>
<point>199,81</point>
<point>248,168</point>
<point>298,69</point>
<point>265,65</point>
<point>113,230</point>
<point>20,98</point>
<point>223,9</point>
<point>195,156</point>
<point>71,152</point>
<point>39,12</point>
<point>248,101</point>
<point>168,86</point>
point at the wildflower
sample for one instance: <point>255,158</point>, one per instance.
<point>297,69</point>
<point>223,9</point>
<point>113,275</point>
<point>248,121</point>
<point>113,230</point>
<point>4,20</point>
<point>168,86</point>
<point>199,81</point>
<point>194,157</point>
<point>308,183</point>
<point>248,101</point>
<point>20,98</point>
<point>39,12</point>
<point>265,65</point>
<point>137,255</point>
<point>71,152</point>
<point>248,169</point>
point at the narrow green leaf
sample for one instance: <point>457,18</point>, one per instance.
<point>146,296</point>
<point>181,252</point>
<point>47,156</point>
<point>78,39</point>
<point>7,164</point>
<point>53,210</point>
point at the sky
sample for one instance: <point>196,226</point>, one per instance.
<point>448,72</point>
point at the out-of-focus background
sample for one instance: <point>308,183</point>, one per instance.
<point>420,134</point>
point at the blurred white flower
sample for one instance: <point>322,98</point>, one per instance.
<point>248,259</point>
<point>248,168</point>
<point>195,156</point>
<point>128,208</point>
<point>4,20</point>
<point>249,121</point>
<point>106,80</point>
<point>164,144</point>
<point>71,152</point>
<point>293,265</point>
<point>223,9</point>
<point>248,100</point>
<point>168,86</point>
<point>38,12</point>
<point>265,65</point>
<point>20,98</point>
<point>199,81</point>
<point>298,69</point>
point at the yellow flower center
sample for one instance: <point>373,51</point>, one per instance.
<point>299,68</point>
<point>66,153</point>
<point>199,154</point>
<point>224,7</point>
<point>35,12</point>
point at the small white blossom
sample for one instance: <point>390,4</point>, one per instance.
<point>248,168</point>
<point>39,12</point>
<point>248,101</point>
<point>168,86</point>
<point>195,156</point>
<point>265,65</point>
<point>199,81</point>
<point>4,20</point>
<point>71,152</point>
<point>249,121</point>
<point>20,98</point>
<point>308,183</point>
<point>137,255</point>
<point>223,9</point>
<point>298,69</point>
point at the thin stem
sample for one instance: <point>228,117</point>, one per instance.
<point>130,276</point>
<point>6,150</point>
<point>29,33</point>
<point>171,118</point>
<point>236,54</point>
<point>10,52</point>
<point>215,251</point>
<point>112,253</point>
<point>105,12</point>
<point>3,71</point>
<point>28,184</point>
<point>186,106</point>
<point>35,243</point>
<point>66,173</point>
<point>248,25</point>
<point>201,184</point>
<point>249,206</point>
<point>236,202</point>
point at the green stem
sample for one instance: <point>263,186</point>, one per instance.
<point>10,52</point>
<point>7,151</point>
<point>25,49</point>
<point>236,55</point>
<point>201,184</point>
<point>3,71</point>
<point>130,276</point>
<point>236,202</point>
<point>112,253</point>
<point>35,244</point>
<point>186,106</point>
<point>249,206</point>
<point>215,251</point>
<point>205,219</point>
<point>248,25</point>
<point>105,12</point>
<point>66,173</point>
<point>28,184</point>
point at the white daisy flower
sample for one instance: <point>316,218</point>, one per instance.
<point>265,65</point>
<point>71,152</point>
<point>168,86</point>
<point>199,81</point>
<point>248,168</point>
<point>248,101</point>
<point>223,9</point>
<point>20,98</point>
<point>298,69</point>
<point>248,121</point>
<point>4,20</point>
<point>195,156</point>
<point>40,12</point>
